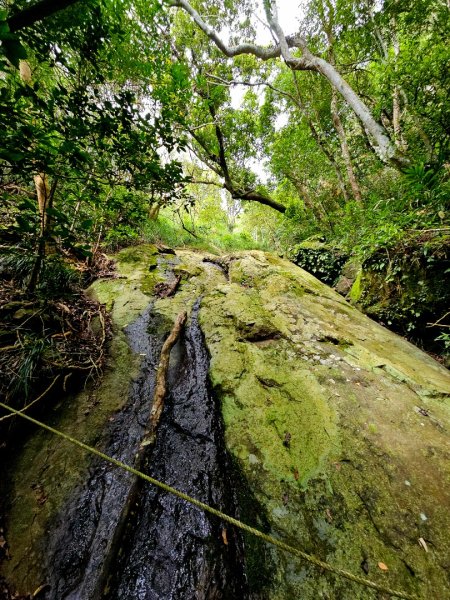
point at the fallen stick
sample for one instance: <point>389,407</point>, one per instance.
<point>165,290</point>
<point>161,382</point>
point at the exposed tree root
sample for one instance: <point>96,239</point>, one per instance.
<point>161,381</point>
<point>165,290</point>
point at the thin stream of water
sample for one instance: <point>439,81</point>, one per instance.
<point>163,549</point>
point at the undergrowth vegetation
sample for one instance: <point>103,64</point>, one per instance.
<point>50,341</point>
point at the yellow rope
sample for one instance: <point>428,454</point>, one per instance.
<point>267,538</point>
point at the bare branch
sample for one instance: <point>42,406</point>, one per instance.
<point>230,51</point>
<point>272,17</point>
<point>308,61</point>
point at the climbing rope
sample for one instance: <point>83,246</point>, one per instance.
<point>217,513</point>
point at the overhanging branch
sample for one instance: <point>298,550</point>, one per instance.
<point>37,12</point>
<point>380,139</point>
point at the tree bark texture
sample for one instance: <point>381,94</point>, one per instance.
<point>344,147</point>
<point>44,197</point>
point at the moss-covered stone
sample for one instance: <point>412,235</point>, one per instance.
<point>323,413</point>
<point>322,420</point>
<point>318,258</point>
<point>47,469</point>
<point>356,290</point>
<point>338,427</point>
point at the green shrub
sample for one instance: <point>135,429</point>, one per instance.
<point>57,278</point>
<point>120,236</point>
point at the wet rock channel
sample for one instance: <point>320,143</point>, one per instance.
<point>163,548</point>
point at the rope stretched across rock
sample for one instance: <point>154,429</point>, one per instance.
<point>227,518</point>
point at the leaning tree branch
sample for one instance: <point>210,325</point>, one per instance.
<point>211,161</point>
<point>39,11</point>
<point>255,196</point>
<point>230,51</point>
<point>381,141</point>
<point>220,139</point>
<point>223,171</point>
<point>183,226</point>
<point>272,17</point>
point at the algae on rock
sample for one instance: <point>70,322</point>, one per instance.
<point>340,428</point>
<point>46,470</point>
<point>323,414</point>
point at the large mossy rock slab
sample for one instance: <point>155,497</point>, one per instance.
<point>341,427</point>
<point>338,427</point>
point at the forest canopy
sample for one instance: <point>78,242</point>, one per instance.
<point>207,210</point>
<point>138,120</point>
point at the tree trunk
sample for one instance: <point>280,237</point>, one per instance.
<point>45,245</point>
<point>153,212</point>
<point>45,199</point>
<point>43,192</point>
<point>383,146</point>
<point>396,111</point>
<point>322,145</point>
<point>331,159</point>
<point>316,209</point>
<point>344,147</point>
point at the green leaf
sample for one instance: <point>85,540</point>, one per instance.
<point>86,224</point>
<point>10,155</point>
<point>57,214</point>
<point>4,28</point>
<point>24,224</point>
<point>27,204</point>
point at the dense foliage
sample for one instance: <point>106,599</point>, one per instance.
<point>79,121</point>
<point>129,120</point>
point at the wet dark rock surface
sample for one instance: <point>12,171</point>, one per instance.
<point>163,548</point>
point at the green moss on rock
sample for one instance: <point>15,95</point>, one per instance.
<point>47,470</point>
<point>338,427</point>
<point>356,290</point>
